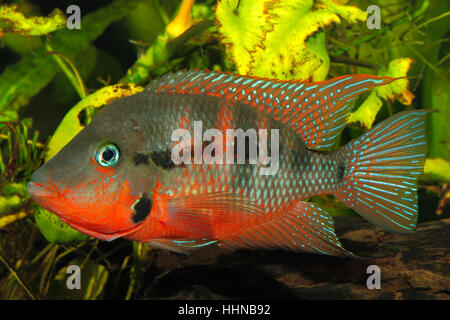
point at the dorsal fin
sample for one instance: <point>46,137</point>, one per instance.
<point>316,110</point>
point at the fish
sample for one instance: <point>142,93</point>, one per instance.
<point>117,177</point>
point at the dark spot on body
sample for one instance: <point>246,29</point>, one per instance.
<point>341,171</point>
<point>142,209</point>
<point>162,159</point>
<point>140,158</point>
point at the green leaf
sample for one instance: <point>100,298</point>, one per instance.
<point>145,11</point>
<point>439,144</point>
<point>54,230</point>
<point>316,45</point>
<point>15,22</point>
<point>19,82</point>
<point>397,90</point>
<point>437,97</point>
<point>9,203</point>
<point>269,39</point>
<point>15,189</point>
<point>437,169</point>
<point>8,116</point>
<point>21,44</point>
<point>157,56</point>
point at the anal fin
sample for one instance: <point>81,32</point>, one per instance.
<point>305,227</point>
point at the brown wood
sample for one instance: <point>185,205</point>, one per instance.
<point>415,266</point>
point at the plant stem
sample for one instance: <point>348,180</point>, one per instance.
<point>11,218</point>
<point>16,276</point>
<point>38,144</point>
<point>433,20</point>
<point>73,76</point>
<point>348,60</point>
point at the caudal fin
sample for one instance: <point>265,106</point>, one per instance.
<point>381,171</point>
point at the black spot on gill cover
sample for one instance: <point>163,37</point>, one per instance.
<point>142,209</point>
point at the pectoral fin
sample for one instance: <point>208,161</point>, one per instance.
<point>201,214</point>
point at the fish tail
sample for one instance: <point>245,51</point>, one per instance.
<point>379,171</point>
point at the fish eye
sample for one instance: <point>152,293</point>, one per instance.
<point>107,155</point>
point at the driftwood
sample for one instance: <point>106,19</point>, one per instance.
<point>415,266</point>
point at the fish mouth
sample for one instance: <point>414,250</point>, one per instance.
<point>42,190</point>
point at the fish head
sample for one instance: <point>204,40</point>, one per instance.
<point>94,183</point>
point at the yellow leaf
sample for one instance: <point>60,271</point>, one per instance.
<point>275,39</point>
<point>5,220</point>
<point>284,54</point>
<point>398,89</point>
<point>182,21</point>
<point>16,22</point>
<point>242,25</point>
<point>367,112</point>
<point>350,13</point>
<point>437,169</point>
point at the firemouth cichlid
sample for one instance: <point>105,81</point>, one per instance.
<point>118,177</point>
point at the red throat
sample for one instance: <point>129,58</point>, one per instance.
<point>102,213</point>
